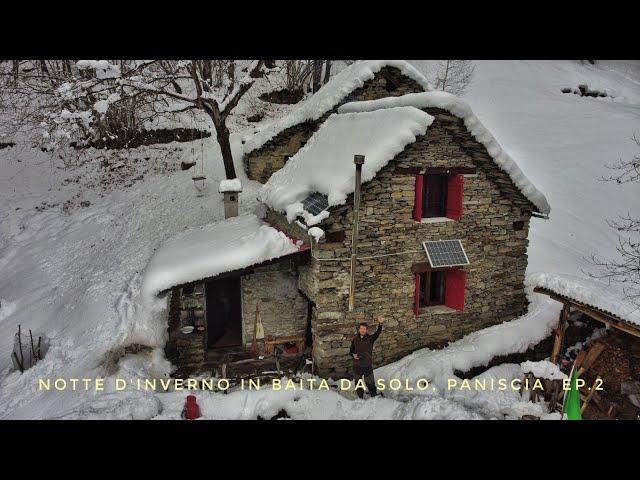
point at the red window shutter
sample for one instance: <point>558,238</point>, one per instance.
<point>417,201</point>
<point>455,196</point>
<point>416,295</point>
<point>456,283</point>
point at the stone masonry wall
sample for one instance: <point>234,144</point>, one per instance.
<point>273,288</point>
<point>489,231</point>
<point>263,162</point>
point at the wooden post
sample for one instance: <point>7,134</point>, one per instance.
<point>559,335</point>
<point>359,161</point>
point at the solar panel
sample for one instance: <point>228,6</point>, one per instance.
<point>316,203</point>
<point>445,253</point>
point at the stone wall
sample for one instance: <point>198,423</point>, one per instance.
<point>187,351</point>
<point>263,162</point>
<point>493,229</point>
<point>274,289</point>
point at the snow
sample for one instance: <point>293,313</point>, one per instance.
<point>103,68</point>
<point>233,185</point>
<point>479,347</point>
<point>331,94</point>
<point>75,276</point>
<point>325,163</point>
<point>543,369</point>
<point>316,233</point>
<point>101,106</point>
<point>436,402</point>
<point>460,109</point>
<point>589,291</point>
<point>210,250</point>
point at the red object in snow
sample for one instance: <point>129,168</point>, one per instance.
<point>455,196</point>
<point>191,408</point>
<point>456,283</point>
<point>417,201</point>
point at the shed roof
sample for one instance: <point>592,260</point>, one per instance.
<point>213,249</point>
<point>589,292</point>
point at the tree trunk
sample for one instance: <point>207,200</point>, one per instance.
<point>231,73</point>
<point>446,76</point>
<point>317,75</point>
<point>43,68</point>
<point>327,71</point>
<point>222,134</point>
<point>207,71</point>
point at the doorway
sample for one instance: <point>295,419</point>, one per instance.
<point>224,312</point>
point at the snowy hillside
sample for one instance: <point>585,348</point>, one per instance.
<point>75,275</point>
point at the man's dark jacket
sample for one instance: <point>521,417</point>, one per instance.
<point>363,347</point>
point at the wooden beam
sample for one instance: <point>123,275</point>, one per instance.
<point>451,170</point>
<point>559,334</point>
<point>592,312</point>
<point>435,170</point>
<point>612,322</point>
<point>423,267</point>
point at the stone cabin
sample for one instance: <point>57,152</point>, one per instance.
<point>442,186</point>
<point>268,149</point>
<point>441,249</point>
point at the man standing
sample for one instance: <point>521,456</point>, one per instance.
<point>362,352</point>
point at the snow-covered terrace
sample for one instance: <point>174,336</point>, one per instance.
<point>330,95</point>
<point>210,250</point>
<point>459,108</point>
<point>591,296</point>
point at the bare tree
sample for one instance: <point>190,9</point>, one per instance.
<point>453,76</point>
<point>626,268</point>
<point>317,74</point>
<point>327,72</point>
<point>96,97</point>
<point>297,74</point>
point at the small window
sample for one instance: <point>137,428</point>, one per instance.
<point>442,287</point>
<point>438,196</point>
<point>335,237</point>
<point>433,287</point>
<point>434,198</point>
<point>518,225</point>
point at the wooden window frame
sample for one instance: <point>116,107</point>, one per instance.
<point>425,286</point>
<point>422,269</point>
<point>443,179</point>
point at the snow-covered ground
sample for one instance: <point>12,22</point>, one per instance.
<point>74,274</point>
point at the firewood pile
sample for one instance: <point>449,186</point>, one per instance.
<point>618,367</point>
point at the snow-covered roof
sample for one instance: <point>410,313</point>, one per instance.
<point>460,108</point>
<point>325,163</point>
<point>588,291</point>
<point>330,95</point>
<point>210,250</point>
<point>233,185</point>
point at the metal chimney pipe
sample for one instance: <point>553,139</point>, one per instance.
<point>358,160</point>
